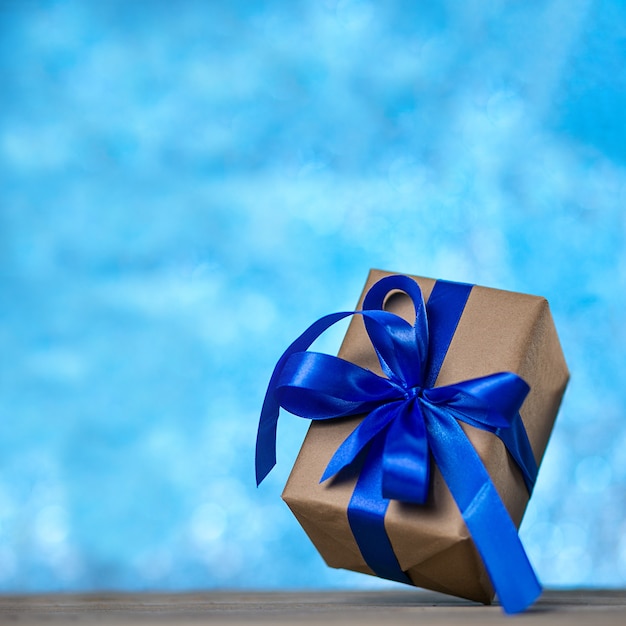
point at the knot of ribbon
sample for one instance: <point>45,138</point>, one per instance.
<point>408,420</point>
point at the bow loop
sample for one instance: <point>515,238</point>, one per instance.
<point>318,386</point>
<point>489,402</point>
<point>406,462</point>
<point>401,348</point>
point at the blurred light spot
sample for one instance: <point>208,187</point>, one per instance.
<point>208,523</point>
<point>573,536</point>
<point>230,560</point>
<point>407,175</point>
<point>154,565</point>
<point>7,505</point>
<point>621,552</point>
<point>505,108</point>
<point>58,364</point>
<point>571,566</point>
<point>64,560</point>
<point>221,327</point>
<point>51,525</point>
<point>8,564</point>
<point>229,489</point>
<point>354,14</point>
<point>257,312</point>
<point>593,474</point>
<point>543,538</point>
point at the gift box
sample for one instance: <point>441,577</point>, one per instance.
<point>489,381</point>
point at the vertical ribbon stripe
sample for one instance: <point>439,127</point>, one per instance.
<point>367,509</point>
<point>444,310</point>
<point>366,515</point>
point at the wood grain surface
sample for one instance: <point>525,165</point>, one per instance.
<point>570,607</point>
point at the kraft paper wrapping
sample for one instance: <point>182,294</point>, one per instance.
<point>498,331</point>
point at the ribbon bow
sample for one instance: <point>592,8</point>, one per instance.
<point>408,419</point>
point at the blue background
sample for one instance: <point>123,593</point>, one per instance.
<point>185,186</point>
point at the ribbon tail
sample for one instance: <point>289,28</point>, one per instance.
<point>362,435</point>
<point>366,516</point>
<point>406,462</point>
<point>492,530</point>
<point>515,438</point>
<point>266,434</point>
<point>265,458</point>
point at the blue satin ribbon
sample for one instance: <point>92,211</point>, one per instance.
<point>408,420</point>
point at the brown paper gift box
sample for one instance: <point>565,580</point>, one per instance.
<point>498,331</point>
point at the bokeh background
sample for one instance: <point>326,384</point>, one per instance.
<point>185,186</point>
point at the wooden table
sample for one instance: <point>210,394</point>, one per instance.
<point>572,607</point>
